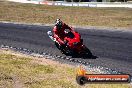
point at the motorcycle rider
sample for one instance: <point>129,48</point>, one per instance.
<point>59,31</point>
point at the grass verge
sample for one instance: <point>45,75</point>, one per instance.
<point>22,71</point>
<point>82,16</point>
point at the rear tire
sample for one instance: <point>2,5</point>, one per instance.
<point>87,53</point>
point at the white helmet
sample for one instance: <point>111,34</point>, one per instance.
<point>58,23</point>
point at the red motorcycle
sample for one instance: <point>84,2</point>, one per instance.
<point>73,45</point>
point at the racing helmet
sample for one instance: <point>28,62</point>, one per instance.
<point>58,23</point>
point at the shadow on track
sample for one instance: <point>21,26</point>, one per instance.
<point>87,54</point>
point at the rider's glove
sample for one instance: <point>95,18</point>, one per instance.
<point>65,42</point>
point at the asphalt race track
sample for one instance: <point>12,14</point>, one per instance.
<point>113,48</point>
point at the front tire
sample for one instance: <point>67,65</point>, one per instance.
<point>57,45</point>
<point>60,48</point>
